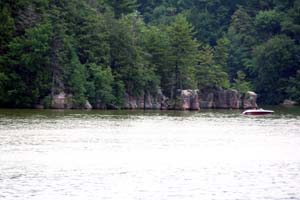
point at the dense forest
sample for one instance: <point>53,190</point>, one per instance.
<point>98,50</point>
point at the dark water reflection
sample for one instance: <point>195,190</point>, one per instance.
<point>211,154</point>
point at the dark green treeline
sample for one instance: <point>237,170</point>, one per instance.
<point>97,50</point>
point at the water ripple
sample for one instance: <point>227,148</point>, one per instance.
<point>148,155</point>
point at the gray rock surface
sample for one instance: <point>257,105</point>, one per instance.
<point>62,101</point>
<point>227,99</point>
<point>187,100</point>
<point>249,100</point>
<point>288,102</point>
<point>146,101</point>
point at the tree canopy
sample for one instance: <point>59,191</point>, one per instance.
<point>98,50</point>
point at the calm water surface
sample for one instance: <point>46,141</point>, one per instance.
<point>137,155</point>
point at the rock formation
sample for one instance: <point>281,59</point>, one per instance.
<point>62,101</point>
<point>227,99</point>
<point>249,100</point>
<point>289,103</point>
<point>87,105</point>
<point>146,101</point>
<point>187,100</point>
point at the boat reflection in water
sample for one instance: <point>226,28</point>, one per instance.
<point>258,112</point>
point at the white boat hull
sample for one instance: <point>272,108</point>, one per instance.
<point>258,112</point>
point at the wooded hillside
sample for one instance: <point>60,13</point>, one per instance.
<point>97,50</point>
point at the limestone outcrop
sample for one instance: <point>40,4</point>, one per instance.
<point>187,100</point>
<point>288,102</point>
<point>146,101</point>
<point>249,100</point>
<point>87,105</point>
<point>227,99</point>
<point>62,101</point>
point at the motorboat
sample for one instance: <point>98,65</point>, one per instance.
<point>258,112</point>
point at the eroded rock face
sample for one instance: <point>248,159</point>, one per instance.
<point>288,102</point>
<point>249,100</point>
<point>162,101</point>
<point>187,100</point>
<point>146,101</point>
<point>62,101</point>
<point>190,100</point>
<point>207,100</point>
<point>234,99</point>
<point>87,105</point>
<point>227,99</point>
<point>131,102</point>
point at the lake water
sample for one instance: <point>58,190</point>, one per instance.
<point>149,155</point>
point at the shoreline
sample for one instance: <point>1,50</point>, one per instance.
<point>139,109</point>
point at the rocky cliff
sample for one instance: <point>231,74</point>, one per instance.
<point>185,100</point>
<point>227,99</point>
<point>193,100</point>
<point>64,101</point>
<point>146,101</point>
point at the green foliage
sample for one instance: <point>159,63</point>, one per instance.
<point>157,47</point>
<point>293,88</point>
<point>77,80</point>
<point>210,18</point>
<point>100,91</point>
<point>7,27</point>
<point>241,22</point>
<point>128,58</point>
<point>3,79</point>
<point>122,7</point>
<point>183,53</point>
<point>242,37</point>
<point>276,61</point>
<point>208,73</point>
<point>290,23</point>
<point>221,54</point>
<point>240,83</point>
<point>99,50</point>
<point>118,93</point>
<point>93,46</point>
<point>28,61</point>
<point>267,23</point>
<point>46,102</point>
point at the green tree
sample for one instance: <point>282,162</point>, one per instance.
<point>293,88</point>
<point>92,37</point>
<point>211,19</point>
<point>275,62</point>
<point>267,24</point>
<point>76,77</point>
<point>221,53</point>
<point>156,45</point>
<point>242,37</point>
<point>240,83</point>
<point>122,7</point>
<point>29,70</point>
<point>100,82</point>
<point>7,27</point>
<point>289,20</point>
<point>127,56</point>
<point>183,54</point>
<point>209,75</point>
